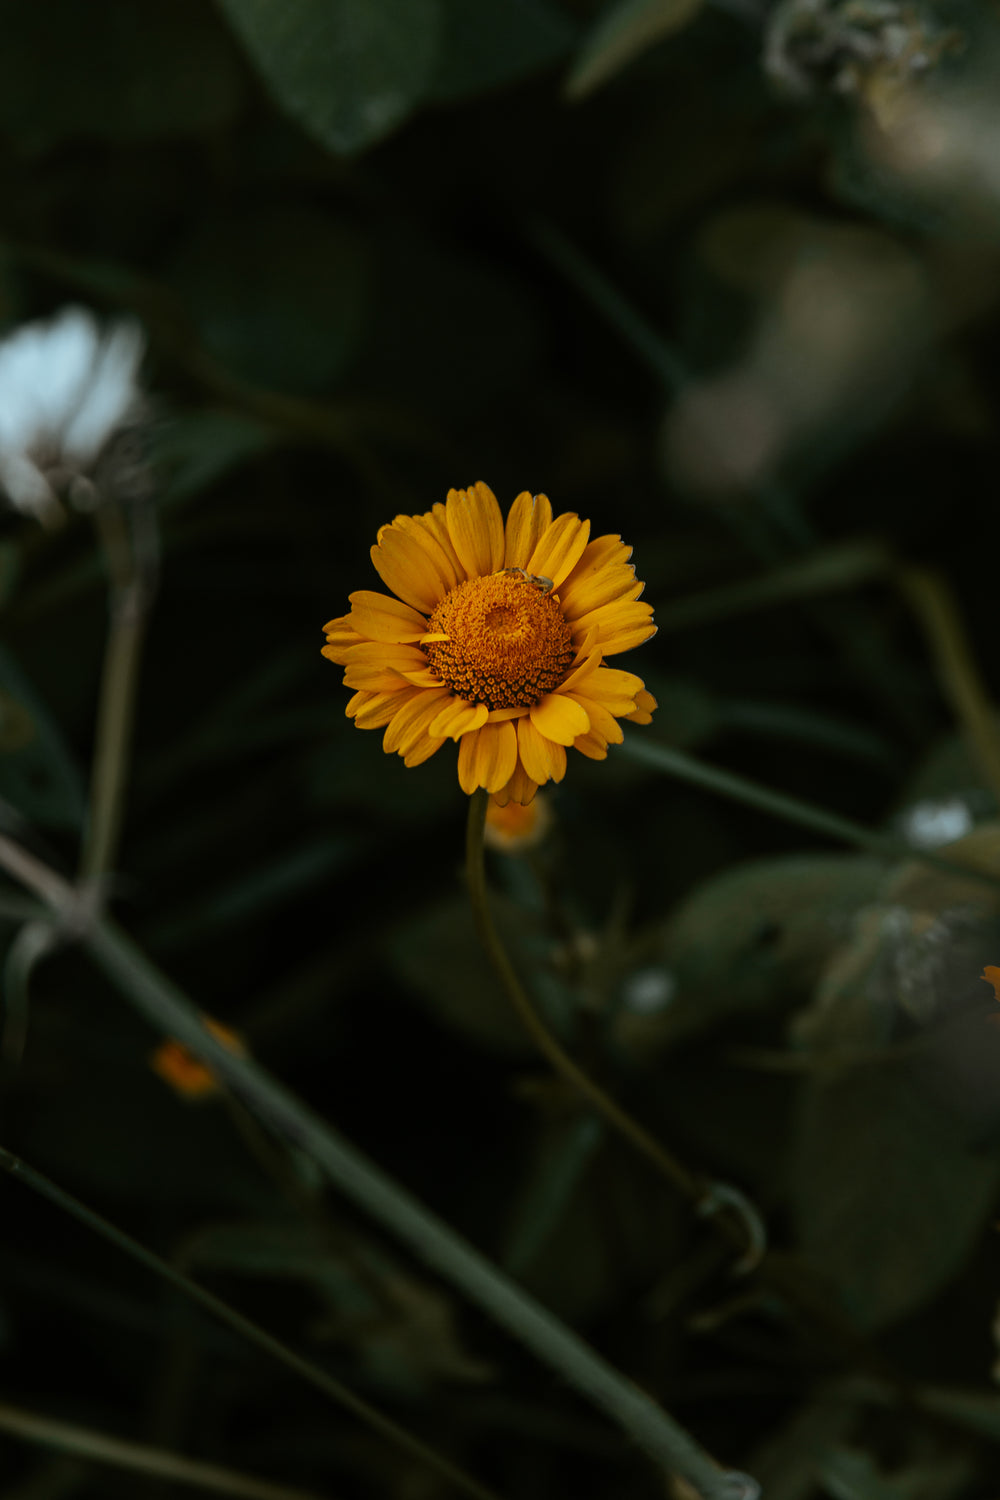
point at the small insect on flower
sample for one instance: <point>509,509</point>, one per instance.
<point>497,638</point>
<point>544,585</point>
<point>67,390</point>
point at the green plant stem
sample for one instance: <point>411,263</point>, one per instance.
<point>620,1121</point>
<point>138,1458</point>
<point>252,1332</point>
<point>156,997</point>
<point>790,809</point>
<point>934,605</point>
<point>129,599</point>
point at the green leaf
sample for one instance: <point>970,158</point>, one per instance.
<point>623,31</point>
<point>486,43</point>
<point>757,935</point>
<point>888,1194</point>
<point>347,70</point>
<point>851,1475</point>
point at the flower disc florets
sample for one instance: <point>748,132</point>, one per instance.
<point>506,643</point>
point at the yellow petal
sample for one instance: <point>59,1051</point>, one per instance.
<point>381,618</point>
<point>520,789</point>
<point>437,522</point>
<point>612,585</point>
<point>620,625</point>
<point>602,721</point>
<point>582,673</point>
<point>594,746</point>
<point>371,677</point>
<point>542,759</point>
<point>476,530</point>
<point>358,702</point>
<point>487,757</point>
<point>645,706</point>
<point>457,718</point>
<point>559,718</point>
<point>390,654</point>
<point>423,531</point>
<point>615,689</point>
<point>381,708</point>
<point>500,715</point>
<point>600,553</point>
<point>405,569</point>
<point>529,517</point>
<point>559,550</point>
<point>421,751</point>
<point>410,724</point>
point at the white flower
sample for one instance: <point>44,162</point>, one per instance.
<point>66,389</point>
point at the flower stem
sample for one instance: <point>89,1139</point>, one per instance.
<point>130,593</point>
<point>138,1458</point>
<point>933,602</point>
<point>652,1429</point>
<point>246,1328</point>
<point>792,809</point>
<point>668,1166</point>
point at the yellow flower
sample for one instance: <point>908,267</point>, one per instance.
<point>186,1074</point>
<point>514,829</point>
<point>496,638</point>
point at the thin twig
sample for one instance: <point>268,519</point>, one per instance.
<point>131,567</point>
<point>338,1393</point>
<point>936,608</point>
<point>791,809</point>
<point>667,1165</point>
<point>101,1447</point>
<point>651,1428</point>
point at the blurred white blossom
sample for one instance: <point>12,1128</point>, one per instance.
<point>649,991</point>
<point>67,387</point>
<point>936,821</point>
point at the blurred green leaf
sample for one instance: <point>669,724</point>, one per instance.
<point>760,934</point>
<point>623,31</point>
<point>347,70</point>
<point>114,69</point>
<point>852,1475</point>
<point>486,43</point>
<point>973,1410</point>
<point>889,1195</point>
<point>279,297</point>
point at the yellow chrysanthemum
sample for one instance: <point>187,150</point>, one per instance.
<point>496,638</point>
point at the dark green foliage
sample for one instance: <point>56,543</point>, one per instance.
<point>724,279</point>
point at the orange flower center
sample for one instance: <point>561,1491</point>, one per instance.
<point>507,642</point>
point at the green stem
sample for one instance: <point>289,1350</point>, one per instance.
<point>934,604</point>
<point>674,1171</point>
<point>247,1329</point>
<point>138,1458</point>
<point>128,607</point>
<point>650,1427</point>
<point>791,809</point>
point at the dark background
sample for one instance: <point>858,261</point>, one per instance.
<point>724,279</point>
